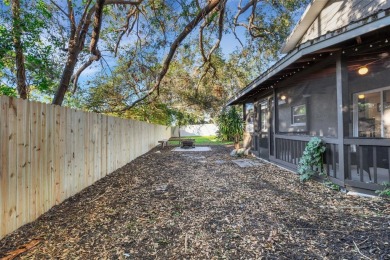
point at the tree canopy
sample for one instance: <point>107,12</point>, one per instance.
<point>161,52</point>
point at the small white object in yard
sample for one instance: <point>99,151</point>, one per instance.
<point>162,188</point>
<point>247,151</point>
<point>220,161</point>
<point>359,194</point>
<point>255,163</point>
<point>243,163</point>
<point>126,255</point>
<point>238,152</point>
<point>195,149</point>
<point>158,152</point>
<point>241,151</point>
<point>195,157</point>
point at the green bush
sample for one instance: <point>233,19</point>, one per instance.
<point>386,190</point>
<point>311,162</point>
<point>230,125</point>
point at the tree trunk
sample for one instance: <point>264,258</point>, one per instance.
<point>237,142</point>
<point>65,78</point>
<point>76,45</point>
<point>19,56</point>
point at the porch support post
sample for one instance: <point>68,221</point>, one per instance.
<point>273,122</point>
<point>342,113</point>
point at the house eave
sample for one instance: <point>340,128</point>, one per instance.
<point>372,23</point>
<point>308,17</point>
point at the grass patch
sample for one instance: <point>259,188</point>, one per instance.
<point>203,140</point>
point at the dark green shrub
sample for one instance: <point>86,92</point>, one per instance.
<point>311,162</point>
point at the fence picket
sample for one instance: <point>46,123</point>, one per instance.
<point>49,153</point>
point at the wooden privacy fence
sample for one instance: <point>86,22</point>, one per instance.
<point>49,153</point>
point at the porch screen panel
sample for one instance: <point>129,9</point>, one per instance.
<point>308,105</point>
<point>369,95</point>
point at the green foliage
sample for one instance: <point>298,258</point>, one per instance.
<point>32,26</point>
<point>331,185</point>
<point>311,161</point>
<point>386,190</point>
<point>7,91</point>
<point>230,125</point>
<point>208,140</point>
<point>187,85</point>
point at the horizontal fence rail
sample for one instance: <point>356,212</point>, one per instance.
<point>49,153</point>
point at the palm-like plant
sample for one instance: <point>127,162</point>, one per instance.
<point>230,126</point>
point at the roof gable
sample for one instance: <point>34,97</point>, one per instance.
<point>330,15</point>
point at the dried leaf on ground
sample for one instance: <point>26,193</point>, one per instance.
<point>173,205</point>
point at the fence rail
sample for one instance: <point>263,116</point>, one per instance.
<point>49,153</point>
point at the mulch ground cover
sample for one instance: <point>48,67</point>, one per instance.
<point>173,205</point>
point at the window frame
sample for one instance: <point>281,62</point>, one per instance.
<point>293,116</point>
<point>264,124</point>
<point>355,118</point>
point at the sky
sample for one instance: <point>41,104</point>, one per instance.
<point>228,44</point>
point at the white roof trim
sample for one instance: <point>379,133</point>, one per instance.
<point>308,17</point>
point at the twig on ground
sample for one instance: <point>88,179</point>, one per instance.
<point>325,230</point>
<point>21,250</point>
<point>185,243</point>
<point>364,241</point>
<point>357,248</point>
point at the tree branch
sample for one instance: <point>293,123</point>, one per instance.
<point>59,8</point>
<point>111,2</point>
<point>76,76</point>
<point>220,29</point>
<point>211,5</point>
<point>85,19</point>
<point>97,24</point>
<point>126,28</point>
<point>71,18</point>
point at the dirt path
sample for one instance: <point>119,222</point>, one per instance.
<point>201,206</point>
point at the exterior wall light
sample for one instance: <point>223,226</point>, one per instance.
<point>283,97</point>
<point>361,96</point>
<point>363,70</point>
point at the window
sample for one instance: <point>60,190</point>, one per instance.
<point>372,113</point>
<point>298,115</point>
<point>264,117</point>
<point>249,110</point>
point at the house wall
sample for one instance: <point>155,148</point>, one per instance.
<point>340,13</point>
